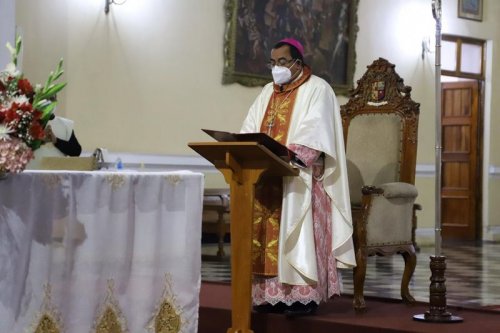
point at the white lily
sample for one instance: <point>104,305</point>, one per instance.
<point>21,99</point>
<point>11,69</point>
<point>11,49</point>
<point>5,132</point>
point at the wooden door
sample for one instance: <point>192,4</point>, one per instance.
<point>460,161</point>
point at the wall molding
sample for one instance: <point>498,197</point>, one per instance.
<point>491,233</point>
<point>429,170</point>
<point>494,171</point>
<point>198,163</point>
<point>425,170</point>
<point>426,236</point>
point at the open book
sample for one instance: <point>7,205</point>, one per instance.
<point>261,138</point>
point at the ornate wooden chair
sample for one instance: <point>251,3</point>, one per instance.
<point>380,123</point>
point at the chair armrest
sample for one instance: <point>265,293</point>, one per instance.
<point>389,213</point>
<point>392,190</point>
<point>370,189</point>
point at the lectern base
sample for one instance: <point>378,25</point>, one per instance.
<point>445,318</point>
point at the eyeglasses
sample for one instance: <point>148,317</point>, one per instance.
<point>280,62</point>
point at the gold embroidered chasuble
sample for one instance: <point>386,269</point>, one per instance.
<point>269,191</point>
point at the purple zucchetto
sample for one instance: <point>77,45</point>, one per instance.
<point>295,43</point>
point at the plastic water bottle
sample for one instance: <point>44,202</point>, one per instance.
<point>119,164</point>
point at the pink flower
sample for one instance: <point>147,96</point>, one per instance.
<point>14,155</point>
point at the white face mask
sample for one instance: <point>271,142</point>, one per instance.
<point>282,74</point>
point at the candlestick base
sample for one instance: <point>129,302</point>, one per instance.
<point>437,300</point>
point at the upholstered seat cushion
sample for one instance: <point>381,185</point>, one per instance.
<point>399,190</point>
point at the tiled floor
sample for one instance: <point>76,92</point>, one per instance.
<point>472,275</point>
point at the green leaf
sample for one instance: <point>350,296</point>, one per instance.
<point>47,111</point>
<point>59,69</point>
<point>36,144</point>
<point>57,75</point>
<point>49,80</point>
<point>52,90</point>
<point>19,43</point>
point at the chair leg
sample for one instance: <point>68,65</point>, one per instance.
<point>410,263</point>
<point>359,273</point>
<point>414,226</point>
<point>221,234</point>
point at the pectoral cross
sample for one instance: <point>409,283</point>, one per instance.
<point>270,125</point>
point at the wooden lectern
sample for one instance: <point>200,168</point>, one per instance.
<point>242,164</point>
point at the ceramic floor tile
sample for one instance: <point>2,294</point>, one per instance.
<point>472,274</point>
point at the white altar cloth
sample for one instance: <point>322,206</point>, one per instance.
<point>95,251</point>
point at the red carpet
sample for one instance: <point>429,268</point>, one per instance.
<point>338,316</point>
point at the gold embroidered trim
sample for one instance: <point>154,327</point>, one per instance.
<point>266,227</point>
<point>167,320</point>
<point>116,181</point>
<point>48,319</point>
<point>167,317</point>
<point>277,111</point>
<point>52,181</point>
<point>108,322</point>
<point>173,179</point>
<point>47,325</point>
<point>110,318</point>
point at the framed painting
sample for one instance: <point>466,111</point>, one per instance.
<point>470,9</point>
<point>326,28</point>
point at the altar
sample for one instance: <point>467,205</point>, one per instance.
<point>100,251</point>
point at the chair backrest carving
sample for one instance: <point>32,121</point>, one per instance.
<point>380,123</point>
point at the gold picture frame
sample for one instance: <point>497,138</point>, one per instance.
<point>327,29</point>
<point>470,9</point>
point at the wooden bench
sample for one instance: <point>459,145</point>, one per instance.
<point>216,218</point>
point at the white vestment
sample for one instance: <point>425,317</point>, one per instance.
<point>62,129</point>
<point>315,123</point>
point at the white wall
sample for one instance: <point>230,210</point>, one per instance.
<point>7,29</point>
<point>144,78</point>
<point>394,30</point>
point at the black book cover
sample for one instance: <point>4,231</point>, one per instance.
<point>261,138</point>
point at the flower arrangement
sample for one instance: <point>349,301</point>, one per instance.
<point>24,112</point>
